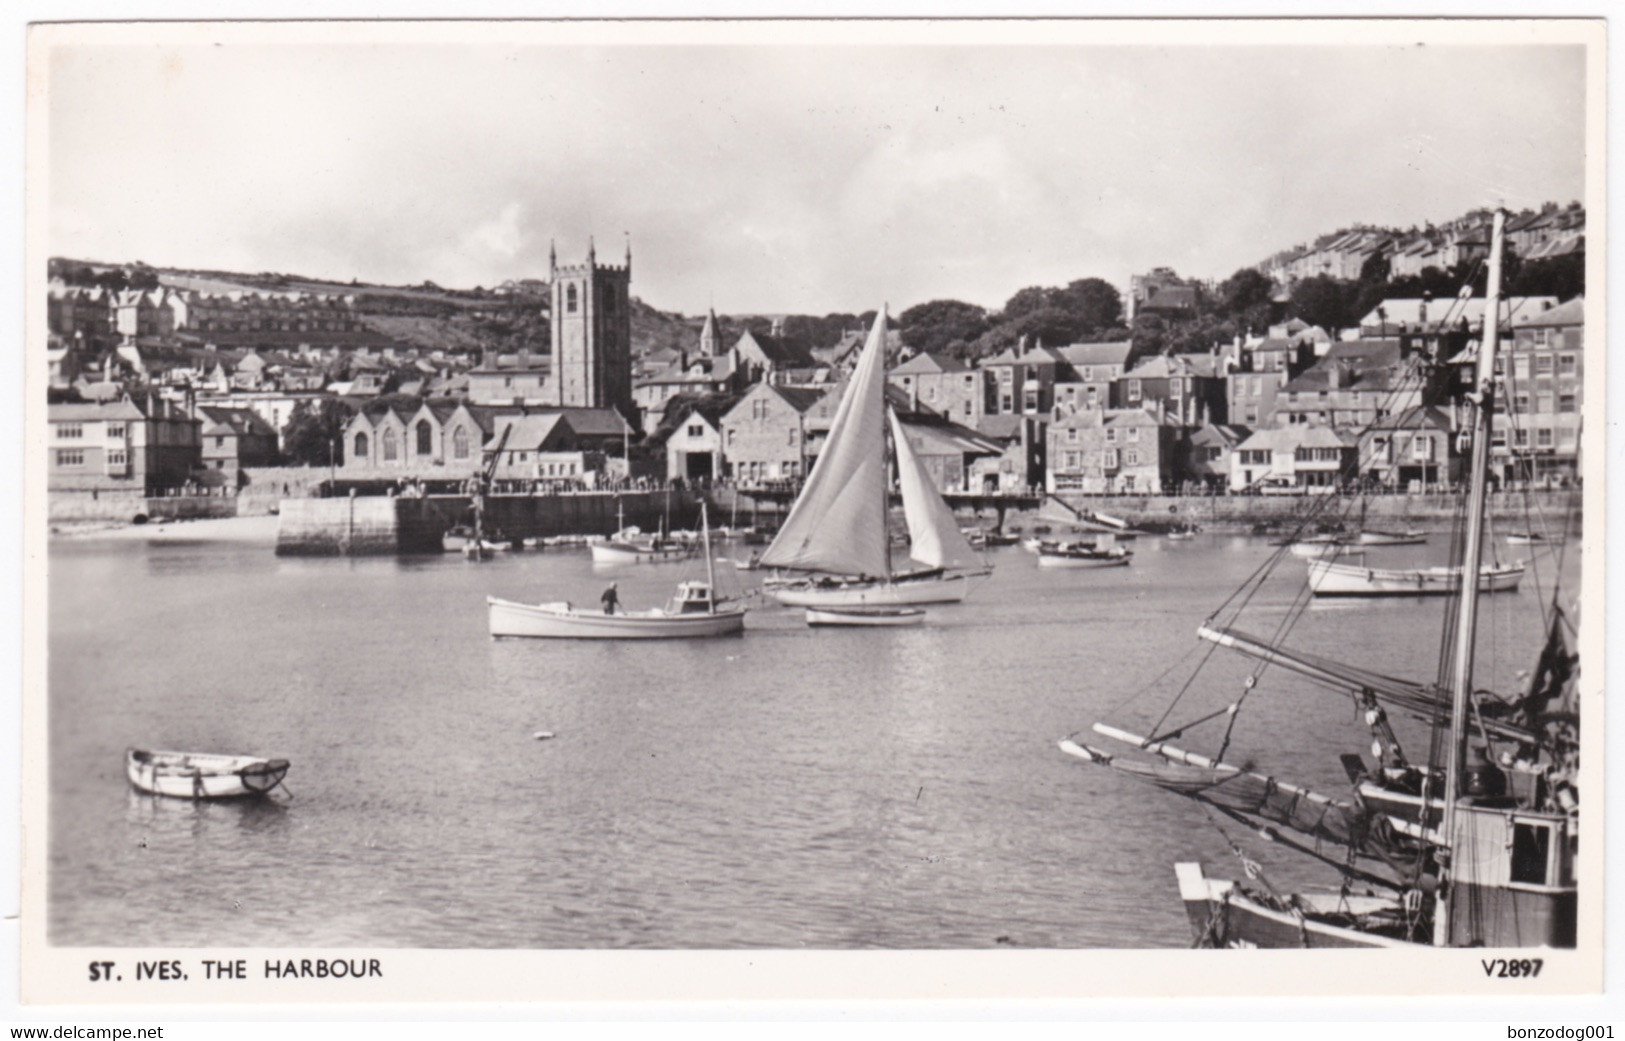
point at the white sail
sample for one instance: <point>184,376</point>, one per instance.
<point>838,525</point>
<point>934,536</point>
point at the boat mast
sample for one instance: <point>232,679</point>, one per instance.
<point>1482,400</point>
<point>705,536</point>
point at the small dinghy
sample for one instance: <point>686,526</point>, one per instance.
<point>865,616</point>
<point>200,775</point>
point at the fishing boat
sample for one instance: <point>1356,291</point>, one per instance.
<point>864,616</point>
<point>629,546</point>
<point>1328,578</point>
<point>202,775</point>
<point>999,538</point>
<point>1183,534</point>
<point>1373,537</point>
<point>695,610</point>
<point>836,534</point>
<point>1102,551</point>
<point>1310,549</point>
<point>1474,847</point>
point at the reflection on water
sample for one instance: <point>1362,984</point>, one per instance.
<point>885,788</point>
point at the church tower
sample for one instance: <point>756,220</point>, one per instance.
<point>592,333</point>
<point>708,336</point>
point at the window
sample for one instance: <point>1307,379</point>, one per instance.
<point>1131,458</point>
<point>1174,386</point>
<point>1109,458</point>
<point>570,299</point>
<point>1111,434</point>
<point>1422,448</point>
<point>1543,364</point>
<point>1543,437</point>
<point>1543,403</point>
<point>1134,390</point>
<point>119,459</point>
<point>1088,373</point>
<point>1531,850</point>
<point>115,431</point>
<point>360,452</point>
<point>1565,365</point>
<point>70,457</point>
<point>391,449</point>
<point>696,430</point>
<point>1520,437</point>
<point>1520,366</point>
<point>1071,460</point>
<point>731,433</point>
<point>459,443</point>
<point>1565,403</point>
<point>1520,403</point>
<point>220,441</point>
<point>1133,433</point>
<point>69,431</point>
<point>792,433</point>
<point>1072,435</point>
<point>1565,435</point>
<point>425,438</point>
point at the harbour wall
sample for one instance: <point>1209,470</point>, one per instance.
<point>122,506</point>
<point>376,524</point>
<point>1243,514</point>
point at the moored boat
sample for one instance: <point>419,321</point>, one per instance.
<point>202,775</point>
<point>1327,578</point>
<point>864,616</point>
<point>1373,537</point>
<point>837,531</point>
<point>695,610</point>
<point>1532,538</point>
<point>627,550</point>
<point>1098,553</point>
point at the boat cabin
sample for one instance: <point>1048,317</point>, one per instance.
<point>693,598</point>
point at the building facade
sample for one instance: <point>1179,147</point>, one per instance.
<point>592,333</point>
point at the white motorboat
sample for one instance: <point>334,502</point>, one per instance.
<point>834,592</point>
<point>695,610</point>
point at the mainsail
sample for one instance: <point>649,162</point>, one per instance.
<point>838,525</point>
<point>934,536</point>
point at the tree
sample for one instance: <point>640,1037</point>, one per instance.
<point>1032,298</point>
<point>1095,301</point>
<point>930,327</point>
<point>314,430</point>
<point>1323,301</point>
<point>1247,298</point>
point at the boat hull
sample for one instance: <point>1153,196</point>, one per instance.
<point>1222,914</point>
<point>1318,550</point>
<point>622,553</point>
<point>865,617</point>
<point>1082,560</point>
<point>561,621</point>
<point>1331,579</point>
<point>195,775</point>
<point>950,589</point>
<point>1392,538</point>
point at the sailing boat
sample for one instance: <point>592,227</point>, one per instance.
<point>837,528</point>
<point>695,610</point>
<point>1474,848</point>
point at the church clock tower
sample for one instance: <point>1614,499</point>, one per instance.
<point>592,332</point>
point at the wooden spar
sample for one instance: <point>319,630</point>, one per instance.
<point>1410,696</point>
<point>1179,755</point>
<point>1483,401</point>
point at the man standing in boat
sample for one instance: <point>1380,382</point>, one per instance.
<point>611,599</point>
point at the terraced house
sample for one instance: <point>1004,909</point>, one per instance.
<point>137,443</point>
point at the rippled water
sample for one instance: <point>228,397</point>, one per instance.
<point>787,788</point>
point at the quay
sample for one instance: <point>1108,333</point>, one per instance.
<point>372,524</point>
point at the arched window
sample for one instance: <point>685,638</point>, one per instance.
<point>425,439</point>
<point>360,448</point>
<point>390,451</point>
<point>459,443</point>
<point>570,299</point>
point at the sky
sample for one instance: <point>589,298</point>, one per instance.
<point>808,178</point>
